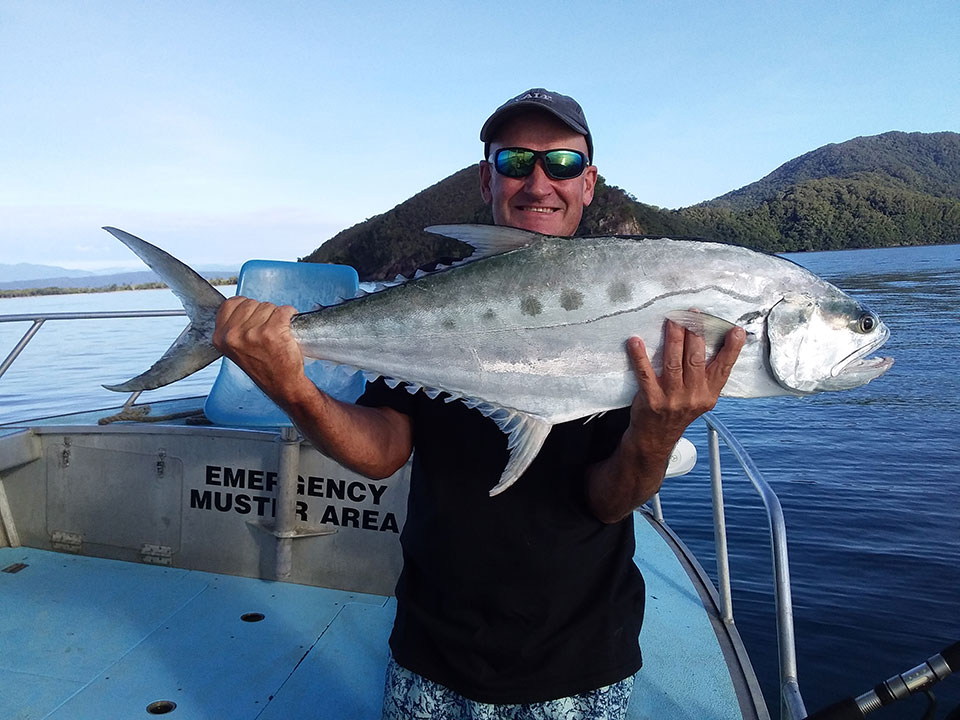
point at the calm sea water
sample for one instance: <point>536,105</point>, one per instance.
<point>869,479</point>
<point>64,366</point>
<point>870,484</point>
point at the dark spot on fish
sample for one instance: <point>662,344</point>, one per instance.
<point>489,315</point>
<point>619,291</point>
<point>530,306</point>
<point>571,299</point>
<point>448,324</point>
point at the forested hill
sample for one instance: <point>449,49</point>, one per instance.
<point>890,189</point>
<point>924,162</point>
<point>394,243</point>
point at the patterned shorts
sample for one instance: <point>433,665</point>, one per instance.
<point>408,696</point>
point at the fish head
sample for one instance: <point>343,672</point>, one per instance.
<point>822,342</point>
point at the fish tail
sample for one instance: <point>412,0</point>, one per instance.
<point>193,350</point>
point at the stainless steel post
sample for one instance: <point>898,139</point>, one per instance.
<point>657,508</point>
<point>285,524</point>
<point>27,337</point>
<point>720,528</point>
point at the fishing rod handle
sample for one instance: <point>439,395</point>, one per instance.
<point>846,709</point>
<point>896,688</point>
<point>921,677</point>
<point>952,655</point>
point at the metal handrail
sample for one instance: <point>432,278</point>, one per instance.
<point>792,707</point>
<point>38,319</point>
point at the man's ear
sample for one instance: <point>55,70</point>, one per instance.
<point>589,184</point>
<point>485,179</point>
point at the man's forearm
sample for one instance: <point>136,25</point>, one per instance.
<point>625,480</point>
<point>374,442</point>
<point>662,409</point>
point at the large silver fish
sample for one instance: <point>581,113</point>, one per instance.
<point>531,329</point>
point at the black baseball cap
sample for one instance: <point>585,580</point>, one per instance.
<point>563,107</point>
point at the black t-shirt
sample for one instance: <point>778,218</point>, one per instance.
<point>519,598</point>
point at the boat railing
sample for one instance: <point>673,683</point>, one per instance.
<point>792,707</point>
<point>37,321</point>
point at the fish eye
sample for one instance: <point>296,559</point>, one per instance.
<point>867,323</point>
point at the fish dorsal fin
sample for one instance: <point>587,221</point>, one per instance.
<point>487,240</point>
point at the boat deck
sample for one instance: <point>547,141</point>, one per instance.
<point>89,638</point>
<point>92,638</point>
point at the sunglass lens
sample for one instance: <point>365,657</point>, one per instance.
<point>564,164</point>
<point>515,163</point>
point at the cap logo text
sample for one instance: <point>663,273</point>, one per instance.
<point>532,96</point>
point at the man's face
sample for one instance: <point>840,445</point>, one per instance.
<point>537,202</point>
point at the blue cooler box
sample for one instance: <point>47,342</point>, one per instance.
<point>234,399</point>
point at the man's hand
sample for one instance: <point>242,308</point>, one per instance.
<point>687,387</point>
<point>375,442</point>
<point>662,410</point>
<point>256,336</point>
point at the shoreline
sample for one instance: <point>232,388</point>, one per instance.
<point>114,287</point>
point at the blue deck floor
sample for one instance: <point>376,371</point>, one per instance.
<point>86,638</point>
<point>91,638</point>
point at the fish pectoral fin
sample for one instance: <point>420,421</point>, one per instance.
<point>711,328</point>
<point>486,240</point>
<point>525,436</point>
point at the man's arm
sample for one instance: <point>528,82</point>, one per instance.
<point>662,409</point>
<point>374,442</point>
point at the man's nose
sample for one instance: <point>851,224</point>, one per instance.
<point>538,182</point>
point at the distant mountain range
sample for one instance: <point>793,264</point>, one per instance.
<point>891,189</point>
<point>29,271</point>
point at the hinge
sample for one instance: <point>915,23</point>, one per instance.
<point>155,554</point>
<point>66,542</point>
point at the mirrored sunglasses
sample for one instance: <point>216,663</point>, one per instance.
<point>558,164</point>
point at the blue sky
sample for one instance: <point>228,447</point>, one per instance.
<point>224,131</point>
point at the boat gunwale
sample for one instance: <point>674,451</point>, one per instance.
<point>746,685</point>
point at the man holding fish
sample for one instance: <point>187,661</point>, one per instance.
<point>527,604</point>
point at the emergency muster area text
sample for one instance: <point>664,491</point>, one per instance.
<point>252,491</point>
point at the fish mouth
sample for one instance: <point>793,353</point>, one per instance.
<point>857,362</point>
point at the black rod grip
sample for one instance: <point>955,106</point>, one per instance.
<point>951,656</point>
<point>846,709</point>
